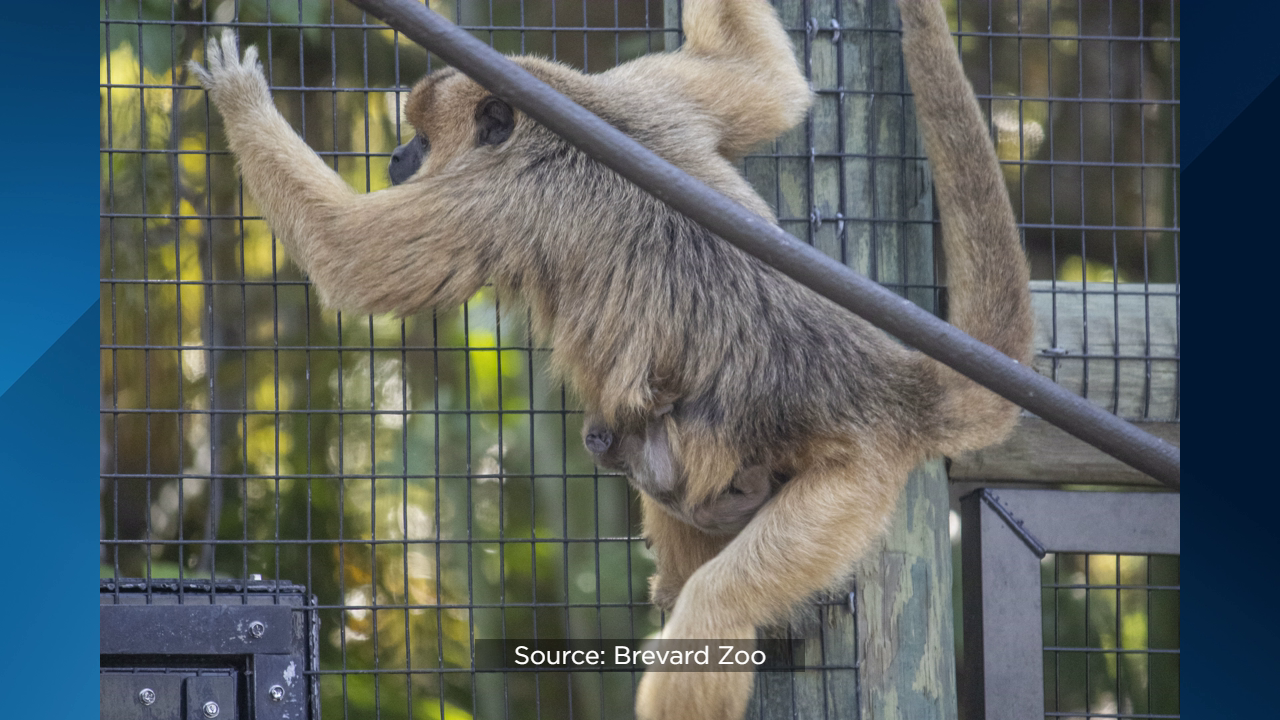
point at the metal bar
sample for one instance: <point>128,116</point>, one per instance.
<point>481,27</point>
<point>992,500</point>
<point>1004,662</point>
<point>1005,643</point>
<point>771,244</point>
<point>196,629</point>
<point>1132,523</point>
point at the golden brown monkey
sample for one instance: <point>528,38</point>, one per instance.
<point>645,309</point>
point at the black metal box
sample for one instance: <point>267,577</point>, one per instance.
<point>196,650</point>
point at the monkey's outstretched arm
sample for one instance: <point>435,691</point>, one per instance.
<point>395,250</point>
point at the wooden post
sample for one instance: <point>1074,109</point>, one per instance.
<point>870,206</point>
<point>847,181</point>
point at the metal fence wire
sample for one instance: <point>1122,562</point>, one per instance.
<point>419,475</point>
<point>1111,645</point>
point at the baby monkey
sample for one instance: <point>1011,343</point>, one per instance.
<point>643,451</point>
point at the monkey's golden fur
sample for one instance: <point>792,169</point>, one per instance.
<point>642,306</point>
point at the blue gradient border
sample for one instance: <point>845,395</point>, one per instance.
<point>49,359</point>
<point>1230,576</point>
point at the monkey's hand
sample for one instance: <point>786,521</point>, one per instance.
<point>236,85</point>
<point>704,695</point>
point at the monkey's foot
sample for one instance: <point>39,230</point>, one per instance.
<point>693,695</point>
<point>696,695</point>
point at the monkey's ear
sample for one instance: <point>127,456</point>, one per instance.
<point>494,121</point>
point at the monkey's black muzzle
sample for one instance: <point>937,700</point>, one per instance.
<point>406,159</point>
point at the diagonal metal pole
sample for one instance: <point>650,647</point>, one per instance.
<point>773,245</point>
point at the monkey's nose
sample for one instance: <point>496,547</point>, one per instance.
<point>599,440</point>
<point>405,160</point>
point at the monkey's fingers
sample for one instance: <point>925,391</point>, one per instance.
<point>251,58</point>
<point>230,48</point>
<point>202,76</point>
<point>223,63</point>
<point>706,695</point>
<point>213,57</point>
<point>234,84</point>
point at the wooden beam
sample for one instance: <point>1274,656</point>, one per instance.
<point>1040,452</point>
<point>1116,344</point>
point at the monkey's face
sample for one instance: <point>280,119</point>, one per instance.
<point>452,117</point>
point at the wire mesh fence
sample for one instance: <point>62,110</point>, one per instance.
<point>1083,99</point>
<point>1111,635</point>
<point>419,475</point>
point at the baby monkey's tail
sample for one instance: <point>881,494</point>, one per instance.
<point>987,277</point>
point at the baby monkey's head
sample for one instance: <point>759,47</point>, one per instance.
<point>644,453</point>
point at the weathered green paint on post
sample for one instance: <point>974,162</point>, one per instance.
<point>849,180</point>
<point>894,659</point>
<point>905,640</point>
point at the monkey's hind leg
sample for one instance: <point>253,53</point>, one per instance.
<point>678,548</point>
<point>800,543</point>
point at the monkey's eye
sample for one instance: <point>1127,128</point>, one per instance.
<point>494,122</point>
<point>734,490</point>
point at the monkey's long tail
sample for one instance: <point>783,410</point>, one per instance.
<point>988,281</point>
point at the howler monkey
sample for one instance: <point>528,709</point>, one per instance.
<point>766,381</point>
